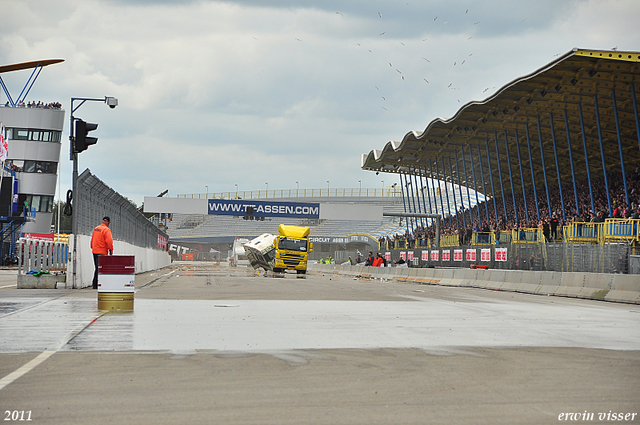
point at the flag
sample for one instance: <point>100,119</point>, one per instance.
<point>4,146</point>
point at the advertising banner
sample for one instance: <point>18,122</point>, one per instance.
<point>434,255</point>
<point>485,254</point>
<point>471,255</point>
<point>425,255</point>
<point>410,256</point>
<point>501,254</point>
<point>446,255</point>
<point>254,208</point>
<point>457,255</point>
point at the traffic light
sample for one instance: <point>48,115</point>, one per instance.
<point>82,141</point>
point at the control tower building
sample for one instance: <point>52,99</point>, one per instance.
<point>33,131</point>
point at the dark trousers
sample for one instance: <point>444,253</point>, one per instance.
<point>96,260</point>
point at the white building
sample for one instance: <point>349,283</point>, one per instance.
<point>34,136</point>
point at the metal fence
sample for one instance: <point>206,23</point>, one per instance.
<point>94,200</point>
<point>561,257</point>
<point>39,255</point>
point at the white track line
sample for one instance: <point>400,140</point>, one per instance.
<point>45,355</point>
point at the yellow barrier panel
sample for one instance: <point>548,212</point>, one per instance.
<point>527,235</point>
<point>580,232</point>
<point>449,240</point>
<point>621,230</point>
<point>483,238</point>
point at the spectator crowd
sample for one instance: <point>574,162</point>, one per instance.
<point>552,218</point>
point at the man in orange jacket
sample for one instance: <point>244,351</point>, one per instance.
<point>101,244</point>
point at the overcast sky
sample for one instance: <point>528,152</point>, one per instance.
<point>248,92</point>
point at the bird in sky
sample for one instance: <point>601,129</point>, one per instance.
<point>426,59</point>
<point>426,80</point>
<point>383,33</point>
<point>380,14</point>
<point>435,18</point>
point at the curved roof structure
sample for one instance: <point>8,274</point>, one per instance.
<point>28,65</point>
<point>584,97</point>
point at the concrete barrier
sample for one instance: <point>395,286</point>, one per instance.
<point>497,279</point>
<point>624,288</point>
<point>596,286</point>
<point>44,281</point>
<point>512,280</point>
<point>530,283</point>
<point>549,282</point>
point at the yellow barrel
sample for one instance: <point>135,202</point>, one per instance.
<point>115,301</point>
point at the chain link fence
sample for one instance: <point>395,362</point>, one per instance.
<point>95,200</point>
<point>561,257</point>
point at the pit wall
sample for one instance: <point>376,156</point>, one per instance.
<point>596,286</point>
<point>146,259</point>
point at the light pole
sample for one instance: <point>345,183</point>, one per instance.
<point>327,187</point>
<point>267,184</point>
<point>382,181</point>
<point>207,187</point>
<point>236,190</point>
<point>112,102</point>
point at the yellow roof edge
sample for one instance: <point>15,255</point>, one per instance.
<point>293,231</point>
<point>610,54</point>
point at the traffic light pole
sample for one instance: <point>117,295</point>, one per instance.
<point>73,156</point>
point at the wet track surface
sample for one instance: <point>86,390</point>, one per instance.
<point>239,335</point>
<point>403,317</point>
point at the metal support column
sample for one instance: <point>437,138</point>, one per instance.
<point>604,165</point>
<point>420,188</point>
<point>635,110</point>
<point>504,201</point>
<point>573,174</point>
<point>544,167</point>
<point>493,191</point>
<point>475,185</point>
<point>513,192</point>
<point>533,176</point>
<point>624,174</point>
<point>586,158</point>
<point>440,191</point>
<point>464,220</point>
<point>402,188</point>
<point>435,204</point>
<point>524,193</point>
<point>453,189</point>
<point>416,193</point>
<point>466,183</point>
<point>484,189</point>
<point>555,154</point>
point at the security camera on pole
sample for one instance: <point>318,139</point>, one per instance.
<point>79,142</point>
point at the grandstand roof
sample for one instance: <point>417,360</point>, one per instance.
<point>533,106</point>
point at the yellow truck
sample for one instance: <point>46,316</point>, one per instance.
<point>292,249</point>
<point>288,250</point>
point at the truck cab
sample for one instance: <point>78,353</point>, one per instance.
<point>238,256</point>
<point>292,248</point>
